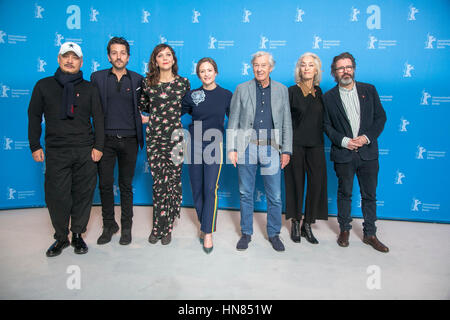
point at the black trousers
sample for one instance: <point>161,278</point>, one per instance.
<point>124,150</point>
<point>70,180</point>
<point>367,173</point>
<point>309,161</point>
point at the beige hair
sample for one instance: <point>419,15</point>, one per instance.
<point>317,63</point>
<point>264,53</point>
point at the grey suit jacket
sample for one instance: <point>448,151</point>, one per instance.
<point>242,115</point>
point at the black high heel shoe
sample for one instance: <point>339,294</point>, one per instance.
<point>166,239</point>
<point>206,250</point>
<point>153,238</point>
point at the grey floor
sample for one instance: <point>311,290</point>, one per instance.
<point>417,266</point>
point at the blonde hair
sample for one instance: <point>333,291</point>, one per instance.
<point>317,63</point>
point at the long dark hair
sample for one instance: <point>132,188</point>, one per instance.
<point>153,69</point>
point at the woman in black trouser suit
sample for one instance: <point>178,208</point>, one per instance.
<point>308,156</point>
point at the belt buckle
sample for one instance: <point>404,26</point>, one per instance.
<point>258,142</point>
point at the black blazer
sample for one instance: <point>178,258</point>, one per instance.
<point>337,125</point>
<point>99,79</point>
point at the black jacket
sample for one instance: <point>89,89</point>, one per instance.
<point>337,125</point>
<point>99,79</point>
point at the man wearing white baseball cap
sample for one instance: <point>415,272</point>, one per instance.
<point>71,46</point>
<point>72,147</point>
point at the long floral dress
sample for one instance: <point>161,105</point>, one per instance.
<point>164,139</point>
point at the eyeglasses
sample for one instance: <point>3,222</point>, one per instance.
<point>341,69</point>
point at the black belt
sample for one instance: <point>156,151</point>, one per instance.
<point>120,136</point>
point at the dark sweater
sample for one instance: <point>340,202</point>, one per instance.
<point>119,115</point>
<point>208,106</point>
<point>307,117</point>
<point>46,100</point>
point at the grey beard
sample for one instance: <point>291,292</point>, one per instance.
<point>346,82</point>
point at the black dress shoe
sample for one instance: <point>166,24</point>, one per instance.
<point>307,233</point>
<point>57,247</point>
<point>79,244</point>
<point>276,243</point>
<point>295,231</point>
<point>125,237</point>
<point>243,242</point>
<point>107,234</point>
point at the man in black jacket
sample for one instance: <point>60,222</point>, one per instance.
<point>353,120</point>
<point>119,92</point>
<point>72,148</point>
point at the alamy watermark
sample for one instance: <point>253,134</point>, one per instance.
<point>261,147</point>
<point>73,282</point>
<point>373,281</point>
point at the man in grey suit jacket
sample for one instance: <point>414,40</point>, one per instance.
<point>260,133</point>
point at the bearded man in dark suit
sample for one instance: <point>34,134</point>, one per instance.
<point>353,120</point>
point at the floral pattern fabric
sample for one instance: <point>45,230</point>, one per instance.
<point>164,139</point>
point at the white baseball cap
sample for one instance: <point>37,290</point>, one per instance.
<point>71,46</point>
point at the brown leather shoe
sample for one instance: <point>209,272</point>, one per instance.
<point>375,243</point>
<point>343,238</point>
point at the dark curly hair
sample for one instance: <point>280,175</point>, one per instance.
<point>153,69</point>
<point>118,40</point>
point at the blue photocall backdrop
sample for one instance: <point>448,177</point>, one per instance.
<point>401,47</point>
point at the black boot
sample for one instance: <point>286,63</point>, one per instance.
<point>307,233</point>
<point>107,234</point>
<point>295,231</point>
<point>125,237</point>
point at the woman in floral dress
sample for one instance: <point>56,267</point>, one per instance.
<point>160,105</point>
